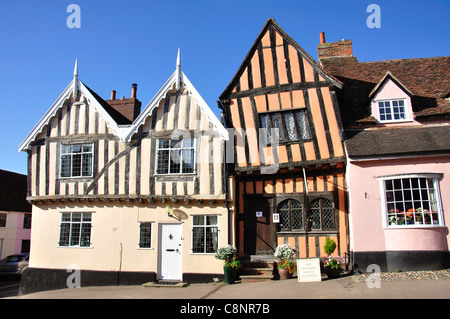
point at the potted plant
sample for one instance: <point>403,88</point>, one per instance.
<point>332,264</point>
<point>286,266</point>
<point>228,255</point>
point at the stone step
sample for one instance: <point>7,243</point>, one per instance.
<point>255,278</point>
<point>256,271</point>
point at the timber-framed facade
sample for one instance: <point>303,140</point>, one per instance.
<point>289,189</point>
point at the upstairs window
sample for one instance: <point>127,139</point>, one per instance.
<point>392,110</point>
<point>291,125</point>
<point>76,160</point>
<point>175,156</point>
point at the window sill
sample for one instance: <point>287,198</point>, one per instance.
<point>415,226</point>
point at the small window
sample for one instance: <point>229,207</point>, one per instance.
<point>175,156</point>
<point>76,160</point>
<point>291,215</point>
<point>205,234</point>
<point>145,235</point>
<point>27,221</point>
<point>392,110</point>
<point>75,230</point>
<point>291,125</point>
<point>3,217</point>
<point>411,201</point>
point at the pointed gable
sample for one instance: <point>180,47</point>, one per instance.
<point>279,85</point>
<point>275,59</point>
<point>78,110</point>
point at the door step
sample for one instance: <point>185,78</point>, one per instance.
<point>257,270</point>
<point>166,284</point>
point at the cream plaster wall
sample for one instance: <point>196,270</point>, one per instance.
<point>115,238</point>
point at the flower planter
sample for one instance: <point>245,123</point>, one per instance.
<point>229,275</point>
<point>284,274</point>
<point>333,273</point>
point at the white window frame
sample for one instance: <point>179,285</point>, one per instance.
<point>384,201</point>
<point>204,226</point>
<point>151,235</point>
<point>406,112</point>
<point>61,154</point>
<point>71,223</point>
<point>170,149</point>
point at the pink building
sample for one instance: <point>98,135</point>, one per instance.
<point>395,115</point>
<point>15,214</point>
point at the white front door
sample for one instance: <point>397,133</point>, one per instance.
<point>170,252</point>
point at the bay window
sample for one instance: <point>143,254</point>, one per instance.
<point>411,200</point>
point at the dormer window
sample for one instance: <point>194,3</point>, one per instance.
<point>392,110</point>
<point>391,101</point>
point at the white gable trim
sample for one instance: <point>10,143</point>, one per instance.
<point>74,84</point>
<point>154,103</point>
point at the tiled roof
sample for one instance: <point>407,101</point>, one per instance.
<point>13,192</point>
<point>400,141</point>
<point>426,78</point>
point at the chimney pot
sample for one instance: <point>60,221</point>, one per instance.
<point>133,90</point>
<point>113,95</point>
<point>322,37</point>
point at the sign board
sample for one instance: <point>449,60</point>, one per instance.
<point>259,214</point>
<point>276,218</point>
<point>308,269</point>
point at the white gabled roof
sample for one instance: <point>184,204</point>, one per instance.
<point>177,78</point>
<point>73,88</point>
<point>125,133</point>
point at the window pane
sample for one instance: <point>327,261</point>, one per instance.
<point>65,166</point>
<point>265,126</point>
<point>277,124</point>
<point>290,126</point>
<point>198,237</point>
<point>302,124</point>
<point>199,220</point>
<point>87,165</point>
<point>85,235</point>
<point>211,220</point>
<point>145,235</point>
<point>64,234</point>
<point>163,162</point>
<point>175,160</point>
<point>211,239</point>
<point>3,220</point>
<point>297,215</point>
<point>188,161</point>
<point>76,148</point>
<point>315,214</point>
<point>75,234</point>
<point>76,165</point>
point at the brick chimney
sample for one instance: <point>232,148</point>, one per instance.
<point>338,49</point>
<point>130,108</point>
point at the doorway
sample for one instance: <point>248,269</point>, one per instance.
<point>170,267</point>
<point>259,229</point>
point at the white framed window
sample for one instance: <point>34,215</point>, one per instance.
<point>175,156</point>
<point>392,110</point>
<point>411,200</point>
<point>145,235</point>
<point>77,160</point>
<point>75,230</point>
<point>205,234</point>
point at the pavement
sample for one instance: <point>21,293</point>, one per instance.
<point>341,288</point>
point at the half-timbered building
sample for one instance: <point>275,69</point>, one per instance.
<point>289,156</point>
<point>126,196</point>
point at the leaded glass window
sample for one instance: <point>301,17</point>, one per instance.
<point>322,214</point>
<point>291,215</point>
<point>205,234</point>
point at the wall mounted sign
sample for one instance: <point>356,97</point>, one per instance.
<point>276,218</point>
<point>259,214</point>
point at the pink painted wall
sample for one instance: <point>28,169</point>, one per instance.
<point>367,230</point>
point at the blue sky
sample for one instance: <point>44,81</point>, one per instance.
<point>125,42</point>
